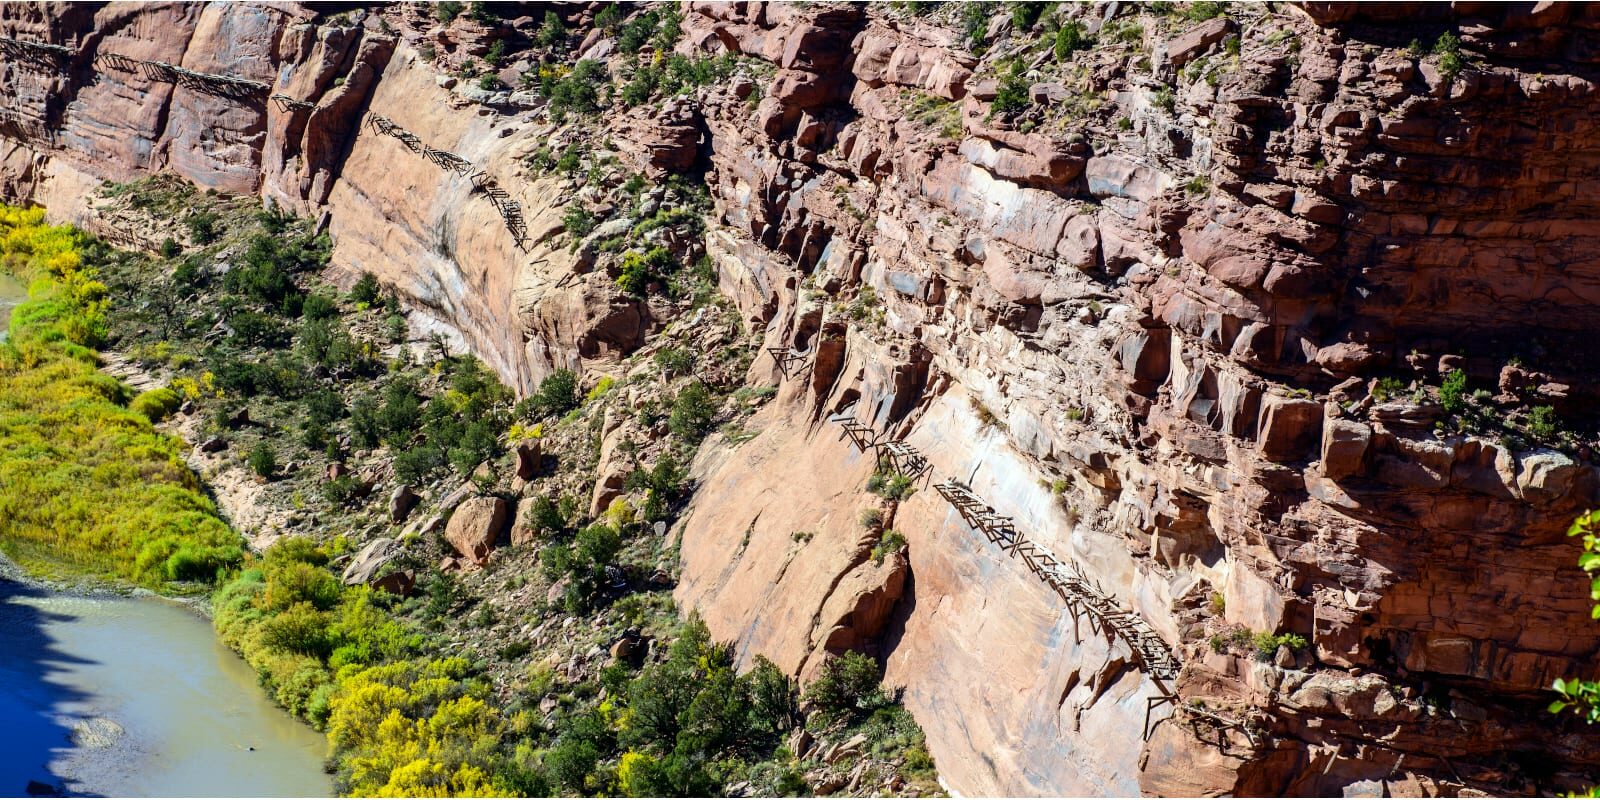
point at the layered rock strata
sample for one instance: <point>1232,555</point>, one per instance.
<point>1149,328</point>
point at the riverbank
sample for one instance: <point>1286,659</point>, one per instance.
<point>87,486</point>
<point>114,694</point>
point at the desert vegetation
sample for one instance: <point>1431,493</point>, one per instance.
<point>87,486</point>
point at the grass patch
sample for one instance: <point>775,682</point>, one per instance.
<point>88,488</point>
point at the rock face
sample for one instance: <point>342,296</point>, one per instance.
<point>1155,345</point>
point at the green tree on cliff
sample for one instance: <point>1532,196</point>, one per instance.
<point>1579,696</point>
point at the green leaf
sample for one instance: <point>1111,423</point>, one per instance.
<point>1560,685</point>
<point>1558,706</point>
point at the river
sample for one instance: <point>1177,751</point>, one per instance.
<point>12,292</point>
<point>134,696</point>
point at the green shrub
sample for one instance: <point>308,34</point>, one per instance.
<point>447,11</point>
<point>889,543</point>
<point>1543,424</point>
<point>848,687</point>
<point>479,442</point>
<point>1202,11</point>
<point>1448,49</point>
<point>1163,99</point>
<point>1453,392</point>
<point>639,270</point>
<point>202,227</point>
<point>298,629</point>
<point>1012,94</point>
<point>975,25</point>
<point>693,411</point>
<point>497,53</point>
<point>578,221</point>
<point>578,92</point>
<point>543,516</point>
<point>343,490</point>
<point>1266,645</point>
<point>318,307</point>
<point>1387,388</point>
<point>1069,39</point>
<point>400,413</point>
<point>1024,15</point>
<point>872,518</point>
<point>557,394</point>
<point>675,360</point>
<point>552,32</point>
<point>263,461</point>
<point>637,31</point>
<point>156,404</point>
<point>365,291</point>
<point>416,465</point>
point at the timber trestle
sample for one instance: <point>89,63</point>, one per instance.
<point>510,211</point>
<point>286,103</point>
<point>38,55</point>
<point>1082,597</point>
<point>786,359</point>
<point>46,57</point>
<point>208,82</point>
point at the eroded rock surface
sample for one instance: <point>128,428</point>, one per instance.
<point>1152,335</point>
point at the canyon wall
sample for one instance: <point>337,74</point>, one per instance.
<point>1150,326</point>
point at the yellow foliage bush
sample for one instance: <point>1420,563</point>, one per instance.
<point>87,486</point>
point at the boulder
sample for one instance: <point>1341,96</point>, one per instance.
<point>215,444</point>
<point>663,141</point>
<point>1545,476</point>
<point>1120,176</point>
<point>400,582</point>
<point>401,501</point>
<point>366,564</point>
<point>1182,49</point>
<point>1344,447</point>
<point>476,526</point>
<point>453,499</point>
<point>1289,427</point>
<point>528,457</point>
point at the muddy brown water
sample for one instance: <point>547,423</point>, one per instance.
<point>134,696</point>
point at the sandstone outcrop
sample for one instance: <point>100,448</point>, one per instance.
<point>1156,323</point>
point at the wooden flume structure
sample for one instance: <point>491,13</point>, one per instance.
<point>287,104</point>
<point>786,359</point>
<point>510,211</point>
<point>1081,595</point>
<point>54,57</point>
<point>46,57</point>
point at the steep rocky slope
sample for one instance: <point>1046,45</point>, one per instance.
<point>1190,317</point>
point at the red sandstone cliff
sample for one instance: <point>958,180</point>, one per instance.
<point>1147,321</point>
